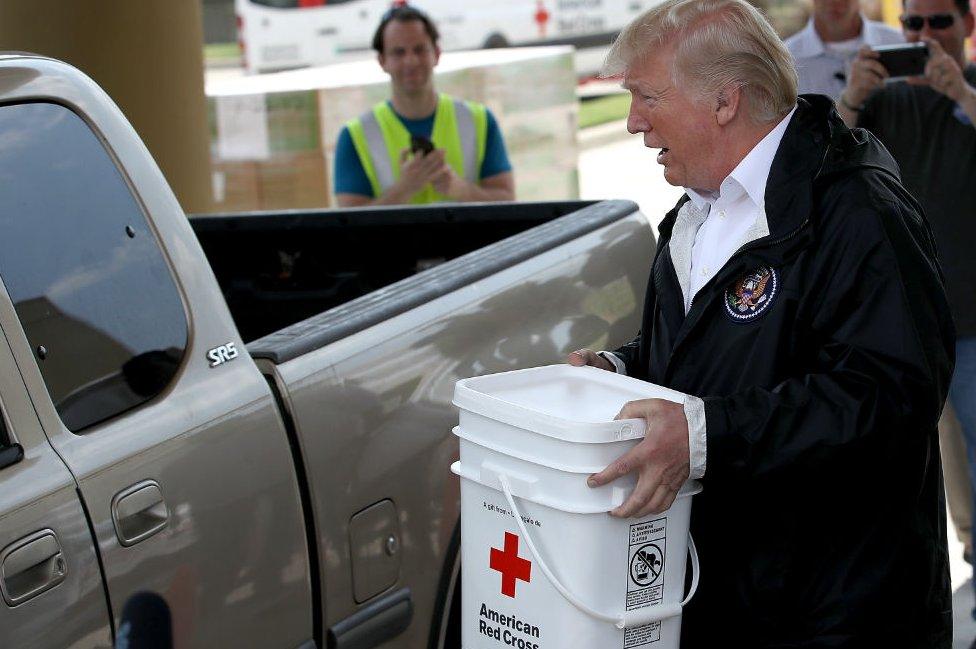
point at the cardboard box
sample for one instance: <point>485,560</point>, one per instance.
<point>273,136</point>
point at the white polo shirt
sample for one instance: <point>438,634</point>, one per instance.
<point>825,67</point>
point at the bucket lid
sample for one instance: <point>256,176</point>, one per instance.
<point>575,404</point>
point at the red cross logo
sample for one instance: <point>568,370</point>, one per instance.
<point>510,565</point>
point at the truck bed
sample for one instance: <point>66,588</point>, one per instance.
<point>296,281</point>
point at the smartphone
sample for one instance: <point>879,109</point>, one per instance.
<point>904,60</point>
<point>420,144</point>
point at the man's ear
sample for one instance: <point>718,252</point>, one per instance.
<point>969,21</point>
<point>437,54</point>
<point>728,102</point>
<point>381,60</point>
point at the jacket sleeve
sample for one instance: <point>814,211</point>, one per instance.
<point>629,354</point>
<point>875,361</point>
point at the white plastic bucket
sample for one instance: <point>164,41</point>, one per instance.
<point>543,565</point>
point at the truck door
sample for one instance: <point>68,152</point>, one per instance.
<point>52,592</point>
<point>140,382</point>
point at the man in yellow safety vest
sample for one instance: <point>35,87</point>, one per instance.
<point>420,146</point>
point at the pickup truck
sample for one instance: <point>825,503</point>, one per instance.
<point>249,415</point>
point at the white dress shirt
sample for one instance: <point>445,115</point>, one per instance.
<point>708,230</point>
<point>825,67</point>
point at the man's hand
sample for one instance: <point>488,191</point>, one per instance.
<point>418,170</point>
<point>867,75</point>
<point>449,184</point>
<point>662,459</point>
<point>500,187</point>
<point>943,74</point>
<point>582,357</point>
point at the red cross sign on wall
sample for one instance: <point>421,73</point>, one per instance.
<point>508,563</point>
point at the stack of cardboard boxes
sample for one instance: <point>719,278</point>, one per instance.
<point>273,136</point>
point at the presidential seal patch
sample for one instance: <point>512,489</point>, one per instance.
<point>752,294</point>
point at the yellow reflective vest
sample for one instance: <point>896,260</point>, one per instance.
<point>460,128</point>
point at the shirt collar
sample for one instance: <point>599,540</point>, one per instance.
<point>752,172</point>
<point>809,44</point>
<point>698,200</point>
<point>874,32</point>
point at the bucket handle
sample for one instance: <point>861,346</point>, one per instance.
<point>628,619</point>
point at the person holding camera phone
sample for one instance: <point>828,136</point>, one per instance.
<point>927,123</point>
<point>825,48</point>
<point>420,146</point>
<point>943,26</point>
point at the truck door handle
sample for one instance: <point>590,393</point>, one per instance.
<point>139,512</point>
<point>31,566</point>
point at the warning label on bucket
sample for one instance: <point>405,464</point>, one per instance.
<point>642,635</point>
<point>645,579</point>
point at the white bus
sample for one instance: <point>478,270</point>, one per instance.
<point>283,34</point>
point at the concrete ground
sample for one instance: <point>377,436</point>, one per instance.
<point>614,164</point>
<point>963,625</point>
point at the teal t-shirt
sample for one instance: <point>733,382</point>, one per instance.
<point>349,177</point>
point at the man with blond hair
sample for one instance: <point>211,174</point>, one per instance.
<point>796,298</point>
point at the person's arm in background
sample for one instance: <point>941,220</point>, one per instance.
<point>867,76</point>
<point>497,180</point>
<point>352,187</point>
<point>943,74</point>
<point>500,187</point>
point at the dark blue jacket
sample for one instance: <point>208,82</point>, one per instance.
<point>823,352</point>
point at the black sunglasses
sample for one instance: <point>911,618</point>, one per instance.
<point>935,21</point>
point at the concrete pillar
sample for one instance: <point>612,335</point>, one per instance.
<point>148,56</point>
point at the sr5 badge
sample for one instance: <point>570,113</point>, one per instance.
<point>222,353</point>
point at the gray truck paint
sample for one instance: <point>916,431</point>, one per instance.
<point>263,466</point>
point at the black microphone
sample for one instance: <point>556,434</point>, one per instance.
<point>146,623</point>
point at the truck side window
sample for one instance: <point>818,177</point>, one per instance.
<point>86,275</point>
